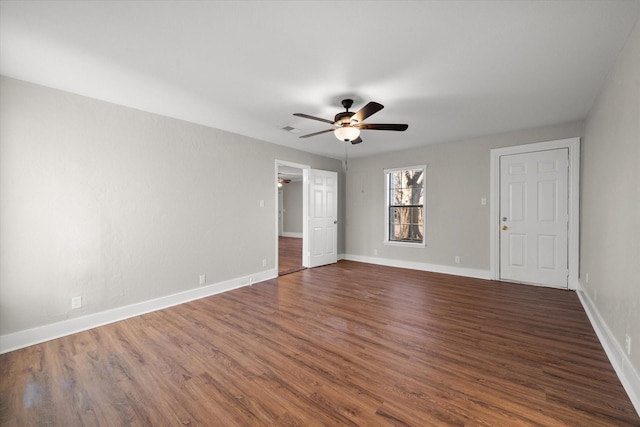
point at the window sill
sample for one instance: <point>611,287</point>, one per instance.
<point>405,244</point>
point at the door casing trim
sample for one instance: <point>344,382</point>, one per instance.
<point>573,236</point>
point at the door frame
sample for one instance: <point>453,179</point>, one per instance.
<point>305,209</point>
<point>573,232</point>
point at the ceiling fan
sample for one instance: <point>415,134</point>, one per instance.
<point>347,125</point>
<point>282,181</point>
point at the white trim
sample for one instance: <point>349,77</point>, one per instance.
<point>628,376</point>
<point>422,266</point>
<point>404,168</point>
<point>21,339</point>
<point>306,255</point>
<point>573,144</point>
<point>401,243</point>
<point>291,234</point>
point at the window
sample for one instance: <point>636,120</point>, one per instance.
<point>405,206</point>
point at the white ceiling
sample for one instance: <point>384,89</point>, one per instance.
<point>450,69</point>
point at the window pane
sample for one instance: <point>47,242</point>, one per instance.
<point>396,179</point>
<point>406,187</point>
<point>406,224</point>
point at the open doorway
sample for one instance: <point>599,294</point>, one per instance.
<point>290,239</point>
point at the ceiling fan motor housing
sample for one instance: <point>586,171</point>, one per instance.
<point>343,118</point>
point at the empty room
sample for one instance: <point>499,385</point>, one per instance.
<point>320,213</point>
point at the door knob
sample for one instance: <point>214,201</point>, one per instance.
<point>504,227</point>
<point>335,222</point>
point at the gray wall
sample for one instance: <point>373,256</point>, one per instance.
<point>292,200</point>
<point>610,227</point>
<point>122,206</point>
<point>457,179</point>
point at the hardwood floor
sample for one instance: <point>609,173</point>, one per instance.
<point>346,344</point>
<point>289,255</point>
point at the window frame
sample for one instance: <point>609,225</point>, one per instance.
<point>388,205</point>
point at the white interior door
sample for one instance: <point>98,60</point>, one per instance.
<point>534,217</point>
<point>323,217</point>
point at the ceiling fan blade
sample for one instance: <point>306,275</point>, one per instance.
<point>366,111</point>
<point>306,116</point>
<point>317,133</point>
<point>383,126</point>
<point>358,140</point>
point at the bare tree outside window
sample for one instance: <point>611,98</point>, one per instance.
<point>406,205</point>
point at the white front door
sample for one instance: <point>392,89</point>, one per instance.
<point>323,217</point>
<point>534,217</point>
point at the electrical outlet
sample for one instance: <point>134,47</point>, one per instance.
<point>264,262</point>
<point>586,277</point>
<point>627,344</point>
<point>457,259</point>
<point>76,302</point>
<point>375,252</point>
<point>203,279</point>
<point>483,201</point>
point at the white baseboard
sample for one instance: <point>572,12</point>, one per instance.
<point>621,364</point>
<point>21,339</point>
<point>435,268</point>
<point>291,234</point>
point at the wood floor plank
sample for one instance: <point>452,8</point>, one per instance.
<point>346,344</point>
<point>289,255</point>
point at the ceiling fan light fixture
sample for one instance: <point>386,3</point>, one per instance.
<point>347,133</point>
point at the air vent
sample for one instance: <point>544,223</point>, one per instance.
<point>291,129</point>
